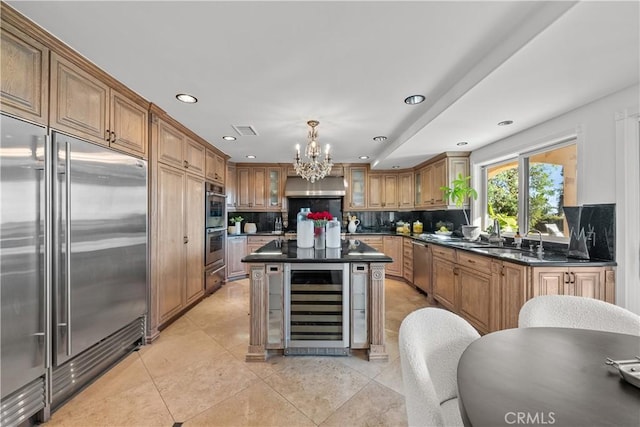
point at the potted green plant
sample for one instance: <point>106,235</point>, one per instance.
<point>459,192</point>
<point>237,220</point>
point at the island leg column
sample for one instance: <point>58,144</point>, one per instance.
<point>257,312</point>
<point>377,347</point>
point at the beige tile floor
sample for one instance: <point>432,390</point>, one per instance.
<point>195,374</point>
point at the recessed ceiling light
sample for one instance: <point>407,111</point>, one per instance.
<point>251,156</point>
<point>505,123</point>
<point>229,138</point>
<point>185,97</point>
<point>462,143</point>
<point>379,138</point>
<point>364,157</point>
<point>414,99</point>
<point>395,167</point>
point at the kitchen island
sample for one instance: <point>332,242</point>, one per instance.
<point>316,302</point>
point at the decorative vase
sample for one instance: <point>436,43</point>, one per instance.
<point>238,228</point>
<point>333,234</point>
<point>319,238</point>
<point>353,225</point>
<point>471,232</point>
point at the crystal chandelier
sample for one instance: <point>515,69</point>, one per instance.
<point>317,167</point>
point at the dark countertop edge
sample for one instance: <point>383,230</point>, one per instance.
<point>386,259</point>
<point>549,263</point>
<point>284,259</point>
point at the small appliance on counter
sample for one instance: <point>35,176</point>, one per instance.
<point>250,227</point>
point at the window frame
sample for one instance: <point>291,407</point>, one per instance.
<point>523,185</point>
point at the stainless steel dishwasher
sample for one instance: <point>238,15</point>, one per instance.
<point>421,266</point>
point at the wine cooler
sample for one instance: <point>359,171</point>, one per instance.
<point>317,309</point>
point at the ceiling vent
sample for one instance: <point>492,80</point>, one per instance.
<point>245,130</point>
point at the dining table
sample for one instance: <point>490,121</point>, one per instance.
<point>548,376</point>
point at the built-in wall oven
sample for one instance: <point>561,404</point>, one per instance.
<point>215,236</point>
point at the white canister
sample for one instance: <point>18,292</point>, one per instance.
<point>305,234</point>
<point>333,234</point>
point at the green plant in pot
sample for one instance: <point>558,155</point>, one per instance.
<point>459,192</point>
<point>237,220</point>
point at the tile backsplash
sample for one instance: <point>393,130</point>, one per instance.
<point>592,230</point>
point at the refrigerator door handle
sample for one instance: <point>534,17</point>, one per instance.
<point>48,245</point>
<point>67,243</point>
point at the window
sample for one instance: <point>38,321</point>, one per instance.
<point>547,177</point>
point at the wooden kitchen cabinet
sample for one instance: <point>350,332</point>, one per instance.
<point>194,158</point>
<point>435,174</point>
<point>194,229</point>
<point>476,292</point>
<point>179,240</point>
<point>231,187</point>
<point>215,167</point>
<point>259,188</point>
<point>376,242</point>
<point>84,106</point>
<point>407,260</point>
<point>445,277</point>
<point>356,197</point>
<point>513,282</point>
<point>392,247</point>
<point>24,76</point>
<point>236,250</point>
<point>178,150</point>
<point>591,282</point>
<point>405,190</point>
<point>256,242</point>
<point>382,191</point>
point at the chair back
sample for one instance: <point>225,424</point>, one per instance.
<point>431,341</point>
<point>566,311</point>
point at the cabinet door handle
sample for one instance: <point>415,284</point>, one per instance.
<point>186,239</point>
<point>471,261</point>
<point>113,137</point>
<point>566,277</point>
<point>107,135</point>
<point>572,277</point>
<point>186,164</point>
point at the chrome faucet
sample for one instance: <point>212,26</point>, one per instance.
<point>495,234</point>
<point>540,248</point>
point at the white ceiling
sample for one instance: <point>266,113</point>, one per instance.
<point>275,65</point>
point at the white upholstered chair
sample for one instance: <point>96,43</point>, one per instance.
<point>565,311</point>
<point>431,342</point>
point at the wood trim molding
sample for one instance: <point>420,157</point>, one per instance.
<point>257,303</point>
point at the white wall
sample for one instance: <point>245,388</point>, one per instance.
<point>594,126</point>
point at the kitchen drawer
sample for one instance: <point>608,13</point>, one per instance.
<point>369,240</point>
<point>478,263</point>
<point>259,240</point>
<point>443,252</point>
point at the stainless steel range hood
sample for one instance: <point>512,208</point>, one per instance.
<point>331,186</point>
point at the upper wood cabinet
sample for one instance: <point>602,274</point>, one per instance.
<point>438,173</point>
<point>215,167</point>
<point>194,157</point>
<point>231,187</point>
<point>405,190</point>
<point>356,197</point>
<point>259,188</point>
<point>83,105</point>
<point>24,75</point>
<point>178,150</point>
<point>382,191</point>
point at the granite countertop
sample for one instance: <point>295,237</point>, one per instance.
<point>557,258</point>
<point>280,250</point>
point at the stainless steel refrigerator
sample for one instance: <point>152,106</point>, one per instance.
<point>81,212</point>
